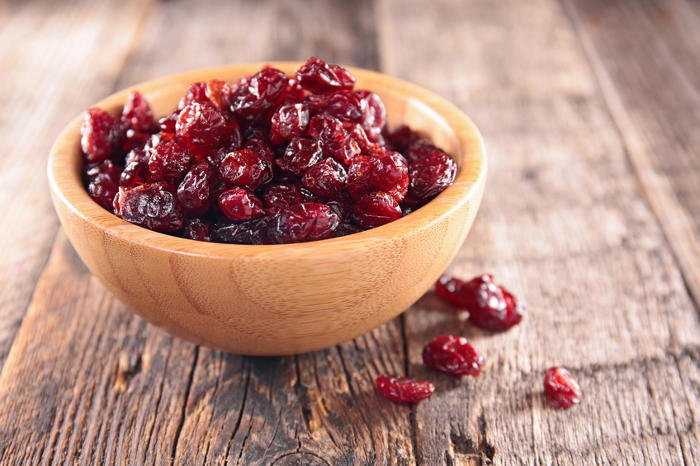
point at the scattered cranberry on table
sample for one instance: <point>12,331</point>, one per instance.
<point>269,159</point>
<point>491,307</point>
<point>453,355</point>
<point>404,389</point>
<point>561,388</point>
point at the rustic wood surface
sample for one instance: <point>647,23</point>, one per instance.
<point>590,110</point>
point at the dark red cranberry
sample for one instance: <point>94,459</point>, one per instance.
<point>194,192</point>
<point>299,155</point>
<point>327,178</point>
<point>255,100</point>
<point>344,105</point>
<point>249,232</point>
<point>453,355</point>
<point>281,196</point>
<point>430,175</point>
<point>137,114</point>
<point>134,140</point>
<point>196,93</point>
<point>168,122</point>
<point>239,204</point>
<point>150,206</point>
<point>490,306</point>
<point>219,93</point>
<point>401,138</point>
<point>333,138</point>
<point>101,135</point>
<point>102,189</point>
<point>136,169</point>
<point>390,174</point>
<point>168,162</point>
<point>342,205</point>
<point>358,134</point>
<point>109,168</point>
<point>375,209</point>
<point>303,222</point>
<point>196,229</point>
<point>561,388</point>
<point>202,128</point>
<point>288,122</point>
<point>318,76</point>
<point>404,389</point>
<point>246,168</point>
<point>260,146</point>
<point>374,115</point>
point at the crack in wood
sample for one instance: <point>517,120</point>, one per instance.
<point>183,413</point>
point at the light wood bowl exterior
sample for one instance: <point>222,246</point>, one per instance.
<point>277,299</point>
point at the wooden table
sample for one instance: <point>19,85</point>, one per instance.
<point>591,113</point>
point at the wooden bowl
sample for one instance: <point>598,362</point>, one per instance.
<point>277,299</point>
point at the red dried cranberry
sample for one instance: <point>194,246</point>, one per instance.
<point>358,134</point>
<point>401,138</point>
<point>299,155</point>
<point>326,178</point>
<point>490,306</point>
<point>374,115</point>
<point>219,93</point>
<point>137,114</point>
<point>390,174</point>
<point>249,232</point>
<point>281,196</point>
<point>168,162</point>
<point>196,93</point>
<point>101,134</point>
<point>246,168</point>
<point>561,388</point>
<point>333,138</point>
<point>318,76</point>
<point>239,204</point>
<point>135,140</point>
<point>194,192</point>
<point>453,355</point>
<point>342,206</point>
<point>303,222</point>
<point>254,100</point>
<point>168,122</point>
<point>404,389</point>
<point>136,169</point>
<point>260,146</point>
<point>375,209</point>
<point>102,189</point>
<point>344,105</point>
<point>149,205</point>
<point>430,175</point>
<point>288,122</point>
<point>196,229</point>
<point>109,168</point>
<point>203,128</point>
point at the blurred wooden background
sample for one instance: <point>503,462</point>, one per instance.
<point>591,113</point>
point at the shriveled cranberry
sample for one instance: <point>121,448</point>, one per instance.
<point>254,100</point>
<point>561,388</point>
<point>194,192</point>
<point>299,155</point>
<point>333,138</point>
<point>401,138</point>
<point>219,93</point>
<point>246,168</point>
<point>288,122</point>
<point>358,134</point>
<point>102,190</point>
<point>281,196</point>
<point>374,115</point>
<point>134,140</point>
<point>430,175</point>
<point>168,162</point>
<point>196,229</point>
<point>303,222</point>
<point>101,134</point>
<point>342,205</point>
<point>390,174</point>
<point>168,122</point>
<point>375,209</point>
<point>250,232</point>
<point>453,355</point>
<point>318,76</point>
<point>136,169</point>
<point>149,205</point>
<point>327,178</point>
<point>137,114</point>
<point>490,306</point>
<point>404,389</point>
<point>195,93</point>
<point>202,128</point>
<point>239,204</point>
<point>260,146</point>
<point>344,105</point>
<point>109,168</point>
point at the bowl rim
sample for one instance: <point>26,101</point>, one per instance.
<point>67,187</point>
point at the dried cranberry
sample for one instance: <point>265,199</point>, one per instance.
<point>281,196</point>
<point>219,93</point>
<point>303,222</point>
<point>288,122</point>
<point>375,209</point>
<point>135,140</point>
<point>202,127</point>
<point>168,122</point>
<point>404,389</point>
<point>490,306</point>
<point>196,229</point>
<point>136,169</point>
<point>149,205</point>
<point>299,155</point>
<point>318,76</point>
<point>254,100</point>
<point>137,114</point>
<point>358,134</point>
<point>430,175</point>
<point>195,93</point>
<point>260,146</point>
<point>109,168</point>
<point>293,93</point>
<point>249,232</point>
<point>390,174</point>
<point>341,204</point>
<point>561,388</point>
<point>333,138</point>
<point>401,138</point>
<point>374,115</point>
<point>101,134</point>
<point>168,162</point>
<point>194,192</point>
<point>344,105</point>
<point>239,204</point>
<point>326,178</point>
<point>453,355</point>
<point>102,189</point>
<point>246,168</point>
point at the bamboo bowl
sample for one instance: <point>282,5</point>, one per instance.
<point>276,299</point>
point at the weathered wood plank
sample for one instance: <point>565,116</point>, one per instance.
<point>57,58</point>
<point>564,224</point>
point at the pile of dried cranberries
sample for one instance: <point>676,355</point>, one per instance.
<point>269,159</point>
